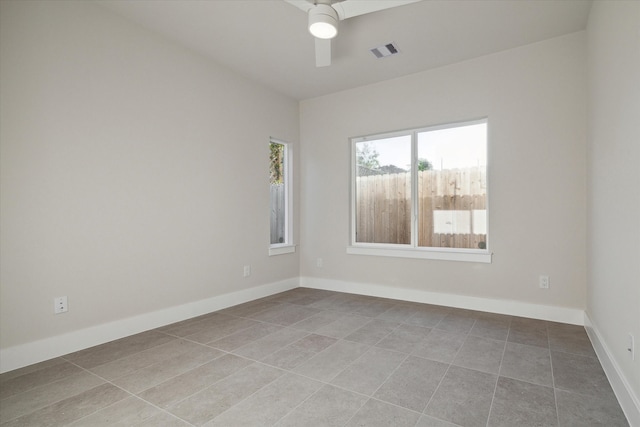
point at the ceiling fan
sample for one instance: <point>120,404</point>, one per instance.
<point>325,14</point>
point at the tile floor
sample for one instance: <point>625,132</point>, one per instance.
<point>316,358</point>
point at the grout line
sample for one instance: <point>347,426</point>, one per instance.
<point>495,388</point>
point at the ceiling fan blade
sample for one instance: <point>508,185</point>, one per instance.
<point>303,5</point>
<point>350,8</point>
<point>323,52</point>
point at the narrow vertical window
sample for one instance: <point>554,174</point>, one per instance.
<point>280,198</point>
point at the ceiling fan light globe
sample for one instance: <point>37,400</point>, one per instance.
<point>323,30</point>
<point>323,22</point>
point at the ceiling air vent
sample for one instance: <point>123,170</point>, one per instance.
<point>388,49</point>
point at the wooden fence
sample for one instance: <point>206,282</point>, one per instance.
<point>277,213</point>
<point>451,208</point>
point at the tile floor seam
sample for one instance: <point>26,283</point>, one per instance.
<point>285,372</point>
<point>495,388</point>
<point>105,381</point>
<point>129,393</point>
<point>217,381</point>
<point>389,376</point>
<point>553,380</point>
<point>443,377</point>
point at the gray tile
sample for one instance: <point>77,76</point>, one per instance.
<point>127,412</point>
<point>216,399</point>
<point>221,329</point>
<point>6,376</point>
<point>579,374</point>
<point>569,339</point>
<point>301,296</point>
<point>412,384</point>
<point>481,354</point>
<point>517,403</point>
<point>198,325</point>
<point>117,349</point>
<point>367,374</point>
<point>46,395</point>
<point>245,336</point>
<point>285,314</point>
<point>269,404</point>
<point>372,332</point>
<point>439,345</point>
<point>427,316</point>
<point>157,373</point>
<point>177,388</point>
<point>40,377</point>
<point>576,410</point>
<point>250,308</point>
<point>372,308</point>
<point>528,332</point>
<point>527,363</point>
<point>399,313</point>
<point>299,352</point>
<point>143,359</point>
<point>163,419</point>
<point>379,414</point>
<point>329,406</point>
<point>463,397</point>
<point>427,421</point>
<point>329,362</point>
<point>331,302</point>
<point>315,322</point>
<point>73,408</point>
<point>459,322</point>
<point>343,325</point>
<point>260,349</point>
<point>405,338</point>
<point>495,327</point>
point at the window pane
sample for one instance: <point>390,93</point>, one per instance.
<point>452,187</point>
<point>277,178</point>
<point>383,190</point>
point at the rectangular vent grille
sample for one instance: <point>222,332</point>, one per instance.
<point>388,49</point>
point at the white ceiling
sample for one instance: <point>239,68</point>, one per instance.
<point>268,41</point>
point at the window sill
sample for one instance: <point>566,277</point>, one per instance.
<point>281,249</point>
<point>443,255</point>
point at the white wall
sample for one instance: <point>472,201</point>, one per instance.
<point>133,172</point>
<point>613,291</point>
<point>535,99</point>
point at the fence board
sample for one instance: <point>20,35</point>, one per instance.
<point>383,206</point>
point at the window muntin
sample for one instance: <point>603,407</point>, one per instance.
<point>423,189</point>
<point>280,197</point>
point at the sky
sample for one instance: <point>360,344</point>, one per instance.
<point>449,148</point>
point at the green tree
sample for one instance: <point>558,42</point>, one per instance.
<point>424,165</point>
<point>276,158</point>
<point>367,156</point>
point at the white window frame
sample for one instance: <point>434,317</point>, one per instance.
<point>412,250</point>
<point>287,246</point>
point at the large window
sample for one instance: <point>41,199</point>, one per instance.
<point>421,193</point>
<point>281,240</point>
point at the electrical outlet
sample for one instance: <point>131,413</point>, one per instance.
<point>630,346</point>
<point>544,282</point>
<point>319,263</point>
<point>247,271</point>
<point>60,305</point>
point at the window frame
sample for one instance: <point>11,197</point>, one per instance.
<point>287,246</point>
<point>412,250</point>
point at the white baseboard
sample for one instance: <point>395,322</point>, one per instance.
<point>37,351</point>
<point>629,402</point>
<point>573,316</point>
